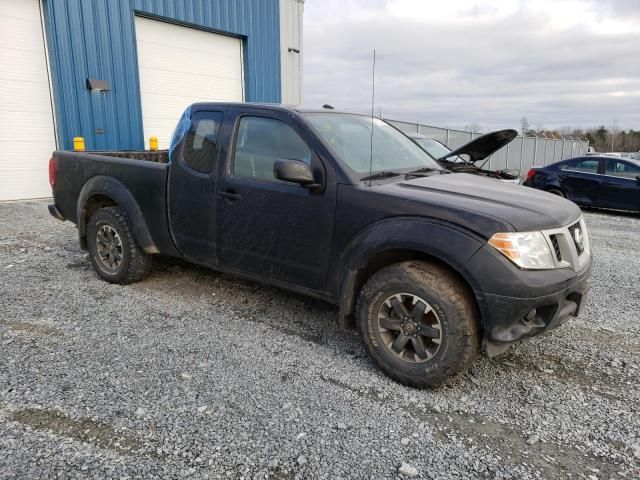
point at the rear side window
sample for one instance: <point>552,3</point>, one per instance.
<point>200,142</point>
<point>586,166</point>
<point>260,142</point>
<point>616,168</point>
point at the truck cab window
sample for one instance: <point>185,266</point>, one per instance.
<point>200,143</point>
<point>260,142</point>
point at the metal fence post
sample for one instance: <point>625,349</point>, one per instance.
<point>522,152</point>
<point>535,151</point>
<point>506,166</point>
<point>447,140</point>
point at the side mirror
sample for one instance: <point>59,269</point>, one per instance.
<point>294,171</point>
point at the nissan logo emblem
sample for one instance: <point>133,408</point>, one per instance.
<point>577,237</point>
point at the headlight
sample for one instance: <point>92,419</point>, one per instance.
<point>525,249</point>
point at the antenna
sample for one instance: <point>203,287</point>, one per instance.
<point>373,98</point>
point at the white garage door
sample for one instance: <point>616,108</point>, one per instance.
<point>179,66</point>
<point>26,122</point>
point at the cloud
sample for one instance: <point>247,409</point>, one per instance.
<point>454,63</point>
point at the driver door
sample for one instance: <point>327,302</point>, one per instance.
<point>268,227</point>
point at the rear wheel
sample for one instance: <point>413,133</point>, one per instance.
<point>418,323</point>
<point>114,253</point>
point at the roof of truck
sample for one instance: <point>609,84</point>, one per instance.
<point>272,106</point>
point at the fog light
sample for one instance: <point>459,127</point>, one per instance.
<point>531,315</point>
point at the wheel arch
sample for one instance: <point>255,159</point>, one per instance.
<point>446,245</point>
<point>102,191</point>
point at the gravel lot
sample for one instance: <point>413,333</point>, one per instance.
<point>199,374</point>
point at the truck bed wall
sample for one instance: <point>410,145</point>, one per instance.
<point>146,181</point>
<point>160,156</point>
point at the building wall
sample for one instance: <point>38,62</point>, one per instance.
<point>96,39</point>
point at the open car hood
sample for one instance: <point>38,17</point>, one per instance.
<point>481,147</point>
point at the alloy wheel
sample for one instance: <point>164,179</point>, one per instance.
<point>410,327</point>
<point>109,247</point>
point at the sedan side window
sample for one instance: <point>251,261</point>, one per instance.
<point>587,166</point>
<point>622,169</point>
<point>261,142</point>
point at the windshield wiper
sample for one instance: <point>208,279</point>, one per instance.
<point>383,174</point>
<point>427,170</point>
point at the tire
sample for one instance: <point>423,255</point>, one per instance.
<point>109,238</point>
<point>556,191</point>
<point>445,311</point>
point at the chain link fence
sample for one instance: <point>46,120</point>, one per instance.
<point>519,155</point>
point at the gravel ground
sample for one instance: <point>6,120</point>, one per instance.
<point>195,373</point>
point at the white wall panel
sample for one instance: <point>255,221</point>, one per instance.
<point>291,12</point>
<point>26,120</point>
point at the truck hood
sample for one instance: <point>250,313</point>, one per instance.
<point>526,209</point>
<point>481,147</point>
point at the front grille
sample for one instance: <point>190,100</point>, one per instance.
<point>570,245</point>
<point>556,247</point>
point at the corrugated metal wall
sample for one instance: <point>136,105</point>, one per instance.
<point>96,39</point>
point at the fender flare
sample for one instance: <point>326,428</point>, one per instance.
<point>442,241</point>
<point>116,191</point>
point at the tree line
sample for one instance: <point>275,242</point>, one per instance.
<point>600,138</point>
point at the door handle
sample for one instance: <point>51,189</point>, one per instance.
<point>230,195</point>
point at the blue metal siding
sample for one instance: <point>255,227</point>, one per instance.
<point>96,39</point>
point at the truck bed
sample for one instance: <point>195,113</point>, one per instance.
<point>142,175</point>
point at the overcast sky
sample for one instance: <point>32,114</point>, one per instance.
<point>489,62</point>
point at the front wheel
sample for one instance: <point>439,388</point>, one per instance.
<point>419,323</point>
<point>114,253</point>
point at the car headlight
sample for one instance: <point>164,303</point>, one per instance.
<point>526,249</point>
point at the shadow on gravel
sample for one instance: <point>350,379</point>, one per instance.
<point>252,300</point>
<point>85,429</point>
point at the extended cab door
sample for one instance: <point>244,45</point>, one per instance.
<point>620,186</point>
<point>191,188</point>
<point>264,226</point>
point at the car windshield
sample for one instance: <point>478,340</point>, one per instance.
<point>349,137</point>
<point>436,149</point>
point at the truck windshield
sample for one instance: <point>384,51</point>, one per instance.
<point>349,137</point>
<point>436,149</point>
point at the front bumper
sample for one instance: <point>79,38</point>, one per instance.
<point>508,319</point>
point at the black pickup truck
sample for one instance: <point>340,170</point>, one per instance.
<point>342,207</point>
